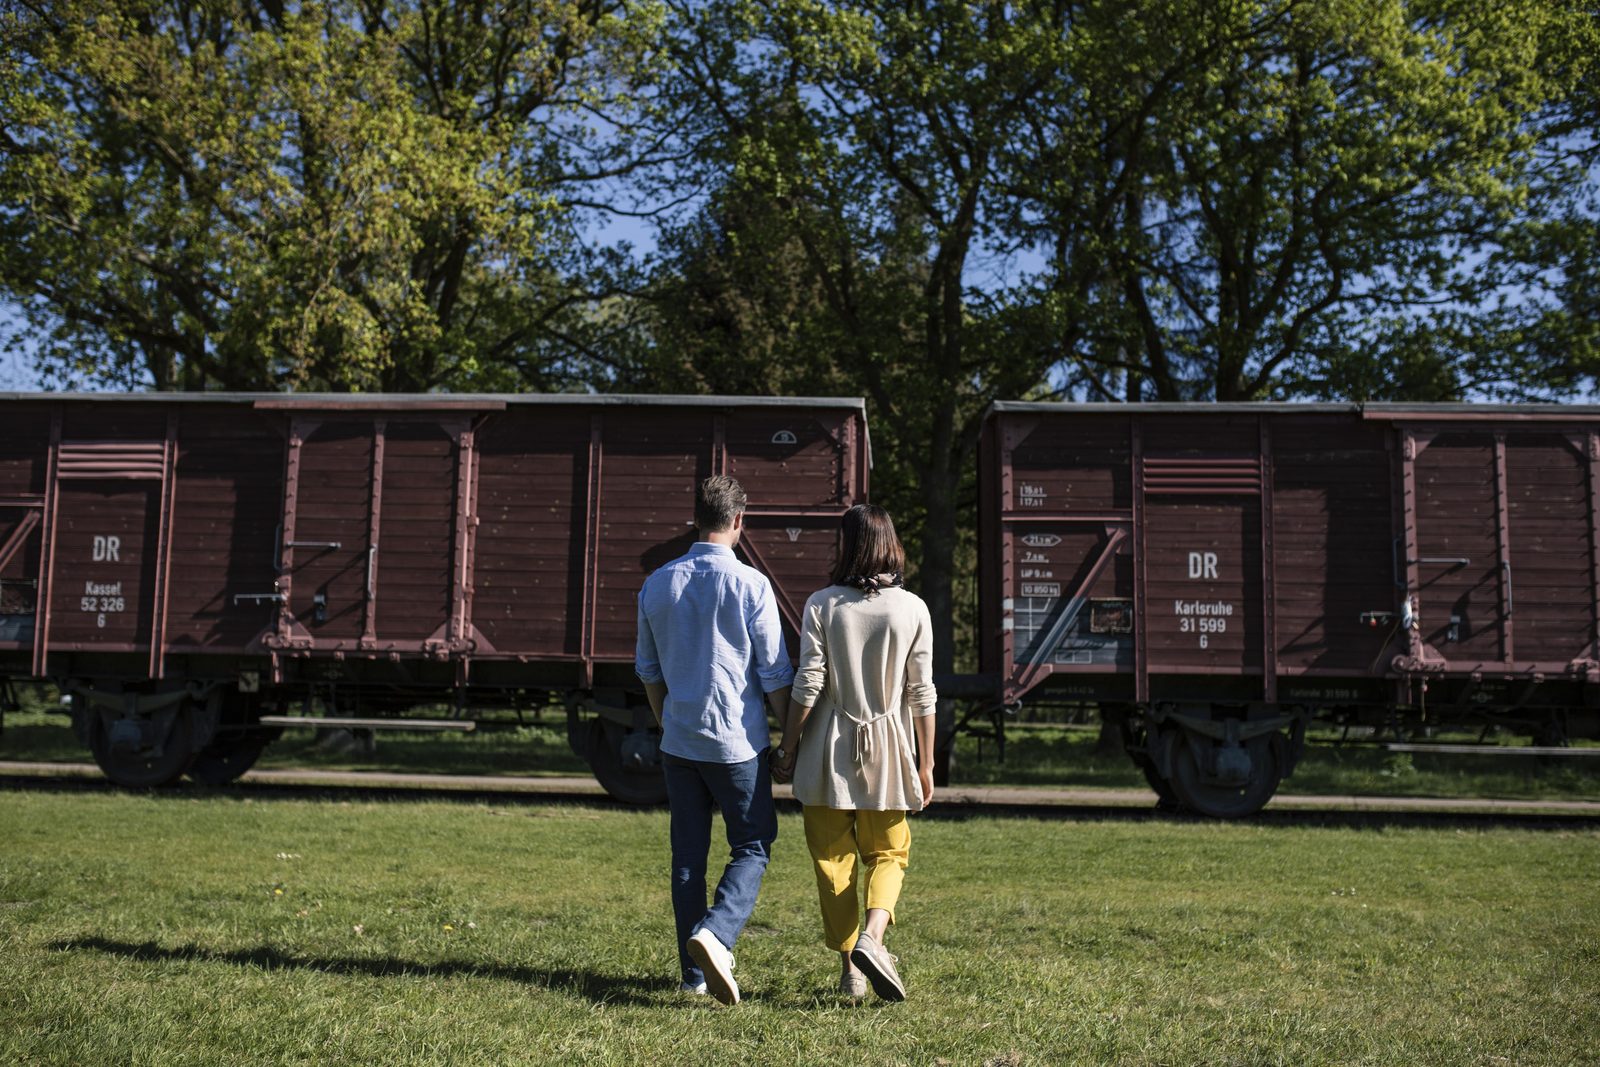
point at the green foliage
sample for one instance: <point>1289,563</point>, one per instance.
<point>350,194</point>
<point>1186,200</point>
<point>931,205</point>
<point>852,152</point>
<point>1267,199</point>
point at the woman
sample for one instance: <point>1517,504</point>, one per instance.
<point>863,692</point>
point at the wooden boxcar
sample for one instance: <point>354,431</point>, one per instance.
<point>191,568</point>
<point>1217,576</point>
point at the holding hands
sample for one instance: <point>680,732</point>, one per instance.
<point>782,764</point>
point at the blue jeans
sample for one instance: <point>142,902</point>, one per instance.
<point>743,793</point>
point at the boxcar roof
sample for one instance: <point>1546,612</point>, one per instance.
<point>445,400</point>
<point>1368,410</point>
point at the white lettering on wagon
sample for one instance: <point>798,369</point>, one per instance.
<point>1041,588</point>
<point>100,599</point>
<point>106,549</point>
<point>1033,496</point>
<point>1203,617</point>
<point>1041,540</point>
<point>1202,565</point>
<point>1202,607</point>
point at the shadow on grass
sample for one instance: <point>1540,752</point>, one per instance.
<point>598,988</point>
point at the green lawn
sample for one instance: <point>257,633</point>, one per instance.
<point>215,929</point>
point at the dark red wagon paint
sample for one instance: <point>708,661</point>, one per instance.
<point>222,553</point>
<point>1217,575</point>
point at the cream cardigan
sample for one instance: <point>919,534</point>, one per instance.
<point>866,670</point>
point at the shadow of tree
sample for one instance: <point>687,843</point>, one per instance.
<point>592,986</point>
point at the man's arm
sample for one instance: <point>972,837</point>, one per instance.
<point>778,703</point>
<point>647,664</point>
<point>656,693</point>
<point>793,723</point>
<point>771,659</point>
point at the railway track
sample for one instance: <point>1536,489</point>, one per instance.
<point>952,800</point>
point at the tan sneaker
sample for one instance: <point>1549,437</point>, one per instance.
<point>853,985</point>
<point>879,967</point>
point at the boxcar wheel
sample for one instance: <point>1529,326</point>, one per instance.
<point>1166,796</point>
<point>133,752</point>
<point>1219,800</point>
<point>225,759</point>
<point>627,765</point>
<point>1136,740</point>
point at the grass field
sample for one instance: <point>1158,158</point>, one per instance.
<point>218,929</point>
<point>1037,755</point>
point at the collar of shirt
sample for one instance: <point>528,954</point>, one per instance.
<point>708,548</point>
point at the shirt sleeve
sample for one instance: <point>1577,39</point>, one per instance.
<point>813,673</point>
<point>920,695</point>
<point>766,641</point>
<point>646,660</point>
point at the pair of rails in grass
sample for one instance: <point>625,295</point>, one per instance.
<point>195,570</point>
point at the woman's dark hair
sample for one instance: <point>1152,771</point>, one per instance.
<point>870,550</point>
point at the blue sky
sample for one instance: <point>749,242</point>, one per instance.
<point>16,369</point>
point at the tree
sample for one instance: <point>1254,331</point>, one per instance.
<point>1283,197</point>
<point>348,194</point>
<point>852,151</point>
<point>1265,198</point>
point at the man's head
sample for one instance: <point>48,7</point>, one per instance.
<point>719,505</point>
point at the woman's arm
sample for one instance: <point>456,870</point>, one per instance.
<point>808,684</point>
<point>793,724</point>
<point>922,699</point>
<point>925,733</point>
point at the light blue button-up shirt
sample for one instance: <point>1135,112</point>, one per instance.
<point>709,629</point>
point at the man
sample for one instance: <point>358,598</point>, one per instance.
<point>710,648</point>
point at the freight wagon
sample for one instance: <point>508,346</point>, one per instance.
<point>1218,577</point>
<point>197,572</point>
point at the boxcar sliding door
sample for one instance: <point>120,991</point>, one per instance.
<point>1498,546</point>
<point>369,532</point>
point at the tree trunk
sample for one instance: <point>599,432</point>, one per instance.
<point>937,574</point>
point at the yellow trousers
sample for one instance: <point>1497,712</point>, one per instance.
<point>882,839</point>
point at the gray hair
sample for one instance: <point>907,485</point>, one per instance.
<point>716,502</point>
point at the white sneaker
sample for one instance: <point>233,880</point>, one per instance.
<point>879,966</point>
<point>689,987</point>
<point>716,963</point>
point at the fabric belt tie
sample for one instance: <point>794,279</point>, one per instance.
<point>865,747</point>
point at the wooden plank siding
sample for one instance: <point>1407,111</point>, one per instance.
<point>226,511</point>
<point>531,482</point>
<point>1335,560</point>
<point>1456,521</point>
<point>416,539</point>
<point>1551,568</point>
<point>1499,505</point>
